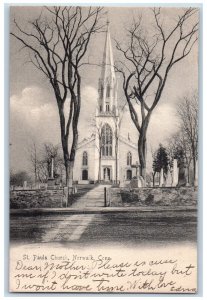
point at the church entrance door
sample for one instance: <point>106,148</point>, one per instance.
<point>85,175</point>
<point>107,174</point>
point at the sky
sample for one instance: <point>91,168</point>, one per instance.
<point>33,109</point>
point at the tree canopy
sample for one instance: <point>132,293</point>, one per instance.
<point>146,60</point>
<point>161,160</point>
<point>57,42</point>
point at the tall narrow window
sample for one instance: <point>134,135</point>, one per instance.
<point>85,158</point>
<point>129,159</point>
<point>108,89</point>
<point>106,140</point>
<point>101,91</point>
<point>107,107</point>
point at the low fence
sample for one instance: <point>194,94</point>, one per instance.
<point>55,198</point>
<point>113,197</point>
<point>168,196</point>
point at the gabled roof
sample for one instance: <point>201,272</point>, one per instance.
<point>86,141</point>
<point>91,138</point>
<point>128,142</point>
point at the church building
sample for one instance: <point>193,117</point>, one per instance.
<point>106,156</point>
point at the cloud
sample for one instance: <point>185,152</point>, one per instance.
<point>33,113</point>
<point>88,110</point>
<point>34,116</point>
<point>164,122</point>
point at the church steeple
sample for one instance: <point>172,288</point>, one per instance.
<point>108,60</point>
<point>107,82</point>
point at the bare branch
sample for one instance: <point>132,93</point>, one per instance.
<point>147,61</point>
<point>58,42</point>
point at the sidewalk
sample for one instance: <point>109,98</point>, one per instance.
<point>100,210</point>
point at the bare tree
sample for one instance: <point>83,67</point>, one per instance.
<point>18,178</point>
<point>188,113</point>
<point>41,158</point>
<point>50,152</point>
<point>147,62</point>
<point>33,157</point>
<point>178,147</point>
<point>57,42</point>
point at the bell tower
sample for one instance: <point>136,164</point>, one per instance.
<point>107,117</point>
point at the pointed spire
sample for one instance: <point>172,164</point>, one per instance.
<point>107,82</point>
<point>108,60</point>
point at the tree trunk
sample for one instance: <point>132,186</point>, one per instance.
<point>153,178</point>
<point>69,159</point>
<point>142,147</point>
<point>35,173</point>
<point>142,154</point>
<point>193,147</point>
<point>99,167</point>
<point>69,180</point>
<point>66,163</point>
<point>67,174</point>
<point>188,174</point>
<point>116,161</point>
<point>194,168</point>
<point>116,179</point>
<point>70,176</point>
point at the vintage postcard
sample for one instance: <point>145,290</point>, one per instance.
<point>103,149</point>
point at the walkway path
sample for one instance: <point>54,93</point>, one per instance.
<point>93,198</point>
<point>68,228</point>
<point>72,227</point>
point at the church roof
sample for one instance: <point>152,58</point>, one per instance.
<point>91,138</point>
<point>128,142</point>
<point>86,141</point>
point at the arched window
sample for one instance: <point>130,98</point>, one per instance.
<point>129,174</point>
<point>85,175</point>
<point>85,158</point>
<point>129,159</point>
<point>108,91</point>
<point>106,135</point>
